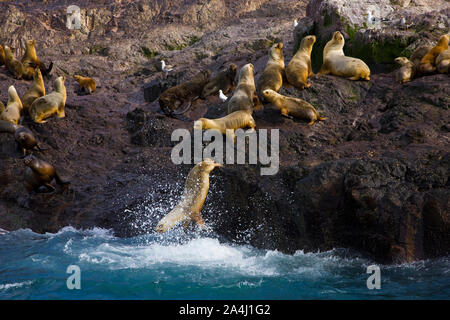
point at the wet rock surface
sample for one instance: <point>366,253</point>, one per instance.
<point>373,176</point>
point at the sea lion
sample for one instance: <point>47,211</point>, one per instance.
<point>295,107</point>
<point>235,120</point>
<point>272,76</point>
<point>2,56</point>
<point>194,195</point>
<point>335,62</point>
<point>36,90</point>
<point>299,68</point>
<point>245,97</point>
<point>2,107</point>
<point>173,98</point>
<point>23,136</point>
<point>223,81</point>
<point>406,72</point>
<point>428,62</point>
<point>88,85</point>
<point>14,66</point>
<point>31,60</point>
<point>13,107</point>
<point>40,173</point>
<point>47,105</point>
<point>443,62</point>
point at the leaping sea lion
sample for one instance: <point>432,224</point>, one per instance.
<point>335,62</point>
<point>224,81</point>
<point>13,107</point>
<point>31,60</point>
<point>293,107</point>
<point>173,98</point>
<point>428,62</point>
<point>36,90</point>
<point>55,102</point>
<point>233,121</point>
<point>272,76</point>
<point>40,173</point>
<point>299,68</point>
<point>195,191</point>
<point>245,97</point>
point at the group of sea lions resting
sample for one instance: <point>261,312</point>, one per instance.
<point>36,104</point>
<point>425,60</point>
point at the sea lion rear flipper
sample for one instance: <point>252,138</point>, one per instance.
<point>59,180</point>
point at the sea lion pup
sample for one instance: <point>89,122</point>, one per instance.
<point>40,173</point>
<point>13,65</point>
<point>235,120</point>
<point>13,107</point>
<point>295,107</point>
<point>223,81</point>
<point>31,60</point>
<point>443,62</point>
<point>272,76</point>
<point>195,191</point>
<point>335,62</point>
<point>55,102</point>
<point>36,90</point>
<point>245,97</point>
<point>23,136</point>
<point>299,68</point>
<point>87,85</point>
<point>173,98</point>
<point>428,62</point>
<point>406,72</point>
<point>2,55</point>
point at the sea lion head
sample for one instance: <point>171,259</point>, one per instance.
<point>246,72</point>
<point>59,83</point>
<point>276,51</point>
<point>31,43</point>
<point>269,94</point>
<point>403,61</point>
<point>208,165</point>
<point>338,38</point>
<point>443,41</point>
<point>308,42</point>
<point>29,160</point>
<point>12,93</point>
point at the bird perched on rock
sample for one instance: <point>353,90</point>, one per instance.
<point>222,97</point>
<point>165,67</point>
<point>295,23</point>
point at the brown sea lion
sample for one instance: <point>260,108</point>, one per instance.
<point>335,62</point>
<point>245,97</point>
<point>428,62</point>
<point>272,76</point>
<point>173,98</point>
<point>13,108</point>
<point>55,102</point>
<point>31,60</point>
<point>23,136</point>
<point>293,107</point>
<point>223,81</point>
<point>406,72</point>
<point>88,85</point>
<point>190,206</point>
<point>40,173</point>
<point>36,90</point>
<point>299,68</point>
<point>14,66</point>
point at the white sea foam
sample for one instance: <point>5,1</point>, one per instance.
<point>8,286</point>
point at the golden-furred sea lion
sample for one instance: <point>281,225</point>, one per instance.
<point>195,191</point>
<point>223,81</point>
<point>443,62</point>
<point>40,173</point>
<point>335,62</point>
<point>235,120</point>
<point>87,84</point>
<point>299,68</point>
<point>13,108</point>
<point>428,62</point>
<point>55,102</point>
<point>173,98</point>
<point>36,90</point>
<point>31,60</point>
<point>2,56</point>
<point>245,97</point>
<point>272,76</point>
<point>406,72</point>
<point>293,107</point>
<point>14,66</point>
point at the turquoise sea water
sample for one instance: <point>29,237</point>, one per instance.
<point>176,266</point>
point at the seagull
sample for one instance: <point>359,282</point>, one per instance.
<point>295,23</point>
<point>222,96</point>
<point>164,67</point>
